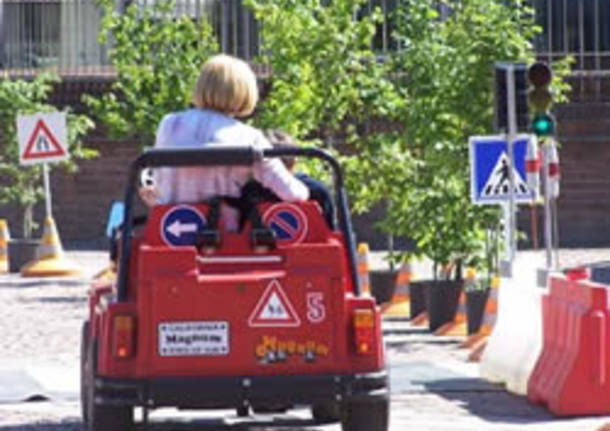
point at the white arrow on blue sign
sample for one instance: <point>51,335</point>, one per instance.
<point>181,224</point>
<point>490,172</point>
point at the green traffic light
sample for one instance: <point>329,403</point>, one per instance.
<point>543,125</point>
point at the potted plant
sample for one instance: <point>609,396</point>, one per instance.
<point>22,186</point>
<point>477,291</point>
<point>476,299</point>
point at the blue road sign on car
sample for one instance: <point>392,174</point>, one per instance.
<point>181,225</point>
<point>490,171</point>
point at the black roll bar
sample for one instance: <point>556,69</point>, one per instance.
<point>227,155</point>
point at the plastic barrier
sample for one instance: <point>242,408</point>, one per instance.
<point>516,341</point>
<point>571,375</point>
<point>554,305</point>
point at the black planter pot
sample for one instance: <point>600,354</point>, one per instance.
<point>418,292</point>
<point>382,285</point>
<point>20,252</point>
<point>475,309</point>
<point>443,299</point>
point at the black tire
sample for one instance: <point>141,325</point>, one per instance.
<point>84,347</point>
<point>101,417</point>
<point>326,412</point>
<point>366,415</point>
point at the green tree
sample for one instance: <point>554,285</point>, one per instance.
<point>446,66</point>
<point>329,86</point>
<point>22,186</point>
<point>157,54</point>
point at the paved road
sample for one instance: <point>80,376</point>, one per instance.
<point>434,388</point>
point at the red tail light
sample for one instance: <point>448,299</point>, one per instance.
<point>123,336</point>
<point>364,331</point>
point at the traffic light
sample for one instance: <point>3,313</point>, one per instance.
<point>539,98</point>
<point>501,96</point>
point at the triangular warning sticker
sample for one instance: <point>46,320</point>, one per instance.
<point>274,309</point>
<point>42,144</point>
<point>498,183</point>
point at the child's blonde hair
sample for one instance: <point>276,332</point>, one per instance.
<point>226,84</point>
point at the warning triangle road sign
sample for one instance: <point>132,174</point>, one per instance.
<point>274,309</point>
<point>42,144</point>
<point>498,183</point>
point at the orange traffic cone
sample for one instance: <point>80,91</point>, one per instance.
<point>489,318</point>
<point>4,239</point>
<point>421,319</point>
<point>459,325</point>
<point>363,269</point>
<point>400,304</point>
<point>51,260</point>
<point>477,350</point>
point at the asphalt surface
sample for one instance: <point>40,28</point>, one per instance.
<point>433,386</point>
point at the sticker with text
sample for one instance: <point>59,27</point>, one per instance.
<point>273,350</point>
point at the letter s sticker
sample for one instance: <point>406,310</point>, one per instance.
<point>316,310</point>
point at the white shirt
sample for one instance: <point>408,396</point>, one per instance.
<point>201,127</point>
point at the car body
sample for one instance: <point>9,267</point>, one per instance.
<point>265,319</point>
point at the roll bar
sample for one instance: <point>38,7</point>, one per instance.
<point>235,156</point>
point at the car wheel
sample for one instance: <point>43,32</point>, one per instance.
<point>326,412</point>
<point>102,417</point>
<point>84,342</point>
<point>366,415</point>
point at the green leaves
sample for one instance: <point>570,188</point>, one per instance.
<point>157,53</point>
<point>21,185</point>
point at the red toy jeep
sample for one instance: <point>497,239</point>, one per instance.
<point>264,319</point>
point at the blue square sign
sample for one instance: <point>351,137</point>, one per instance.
<point>490,172</point>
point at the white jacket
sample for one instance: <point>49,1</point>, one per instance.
<point>200,127</point>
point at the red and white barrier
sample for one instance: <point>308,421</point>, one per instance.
<point>572,375</point>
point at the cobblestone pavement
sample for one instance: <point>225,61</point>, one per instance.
<point>434,388</point>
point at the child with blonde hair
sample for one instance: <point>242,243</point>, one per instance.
<point>225,90</point>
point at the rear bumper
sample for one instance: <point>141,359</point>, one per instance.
<point>220,392</point>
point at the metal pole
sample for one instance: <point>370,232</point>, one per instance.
<point>512,135</point>
<point>548,222</point>
<point>555,233</point>
<point>47,189</point>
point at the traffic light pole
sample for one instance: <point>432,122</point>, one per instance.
<point>511,244</point>
<point>548,217</point>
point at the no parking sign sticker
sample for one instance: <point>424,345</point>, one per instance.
<point>288,222</point>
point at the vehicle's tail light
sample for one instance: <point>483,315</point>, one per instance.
<point>124,334</point>
<point>364,331</point>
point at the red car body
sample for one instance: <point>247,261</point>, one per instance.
<point>235,324</point>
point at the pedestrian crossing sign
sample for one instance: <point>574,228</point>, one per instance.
<point>490,171</point>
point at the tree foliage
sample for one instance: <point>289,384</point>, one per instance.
<point>157,53</point>
<point>22,186</point>
<point>437,87</point>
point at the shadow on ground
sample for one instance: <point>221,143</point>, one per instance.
<point>286,424</point>
<point>489,401</point>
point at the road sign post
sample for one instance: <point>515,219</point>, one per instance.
<point>511,113</point>
<point>42,140</point>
